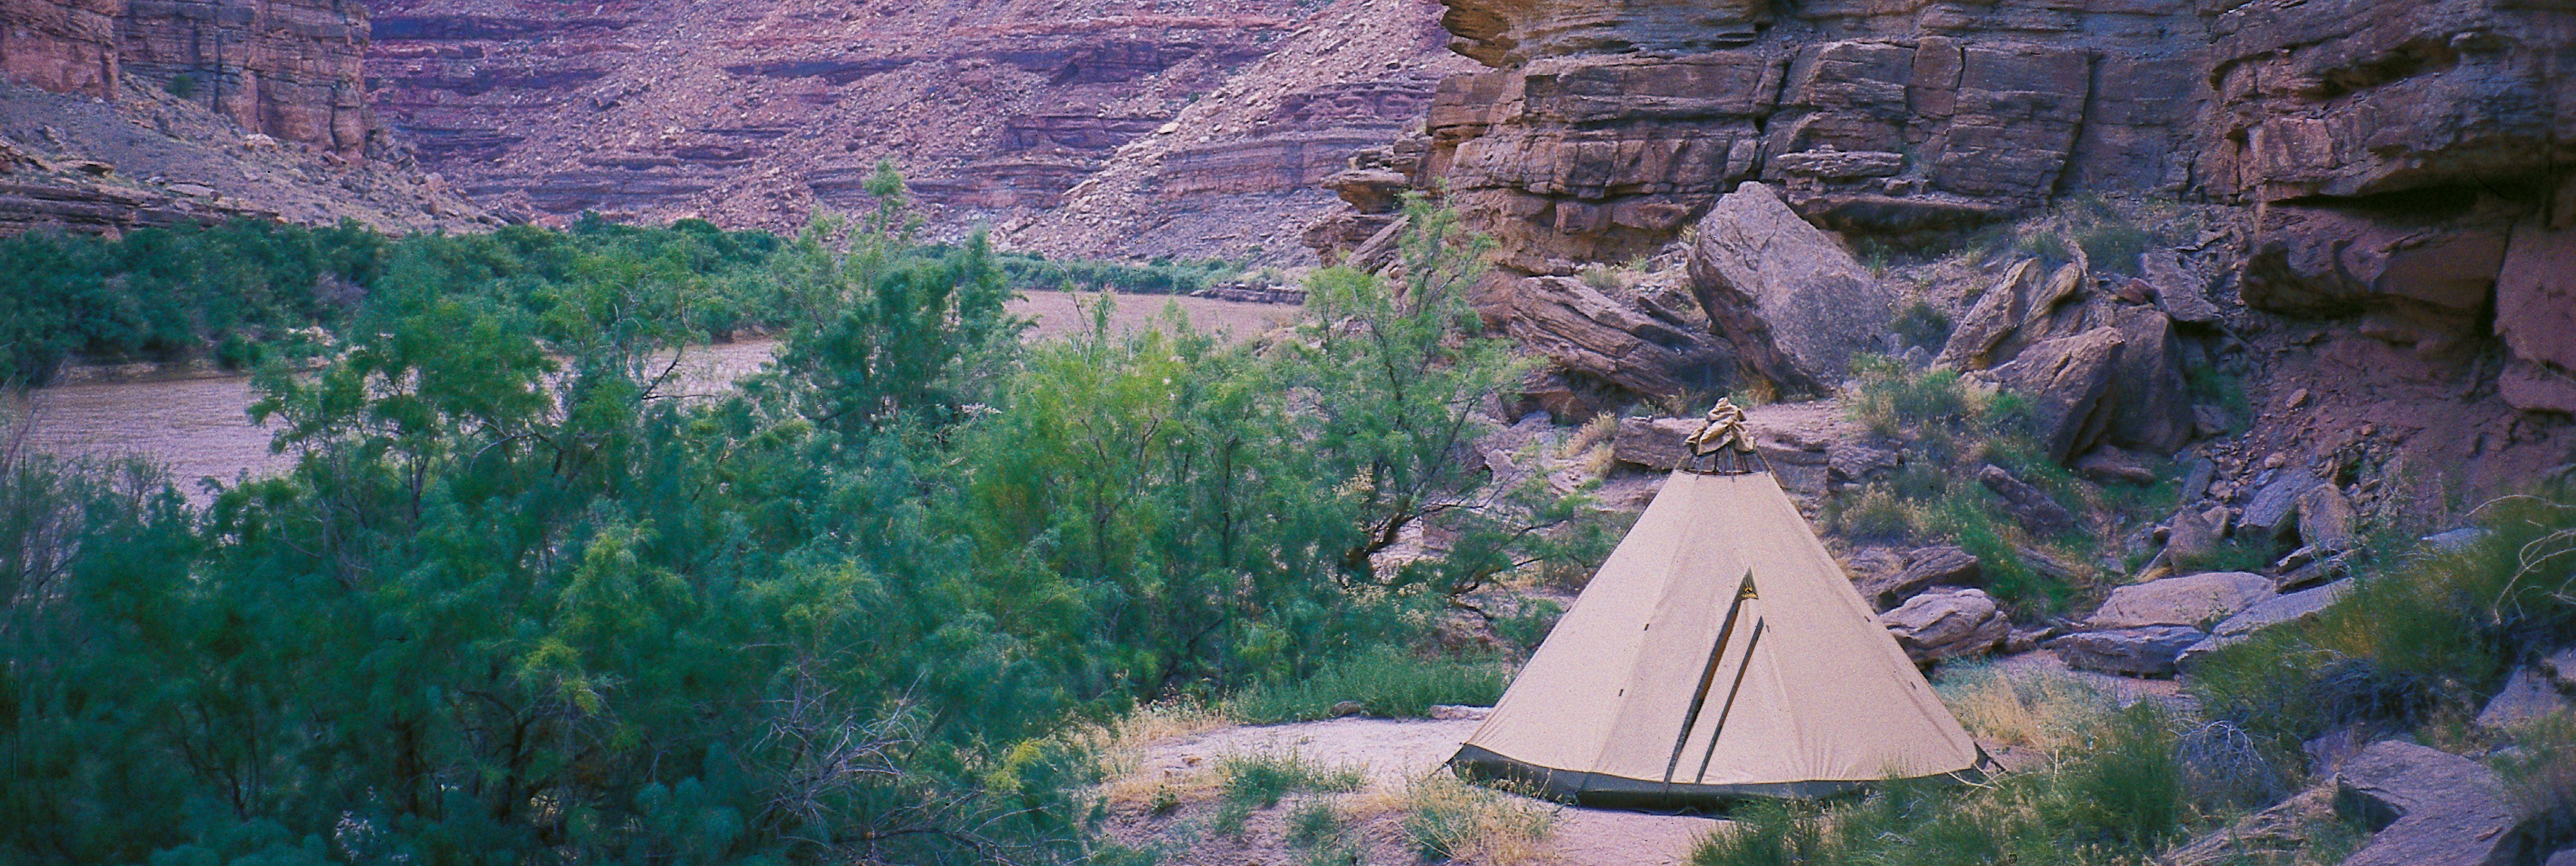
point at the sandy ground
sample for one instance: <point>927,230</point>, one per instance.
<point>1393,751</point>
<point>199,427</point>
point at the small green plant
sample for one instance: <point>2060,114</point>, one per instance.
<point>182,85</point>
<point>1385,682</point>
<point>1314,823</point>
<point>2046,245</point>
<point>2214,387</point>
<point>1600,277</point>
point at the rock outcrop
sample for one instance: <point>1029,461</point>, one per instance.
<point>2407,164</point>
<point>2144,651</point>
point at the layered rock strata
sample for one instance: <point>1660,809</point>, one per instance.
<point>1605,126</point>
<point>757,114</point>
<point>289,69</point>
<point>2408,167</point>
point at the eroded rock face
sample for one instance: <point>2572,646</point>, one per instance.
<point>290,69</point>
<point>1089,127</point>
<point>1601,115</point>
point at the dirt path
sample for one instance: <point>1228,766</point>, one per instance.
<point>1392,752</point>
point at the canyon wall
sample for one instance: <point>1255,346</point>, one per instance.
<point>2409,166</point>
<point>758,113</point>
<point>290,69</point>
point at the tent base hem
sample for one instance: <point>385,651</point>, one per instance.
<point>1619,792</point>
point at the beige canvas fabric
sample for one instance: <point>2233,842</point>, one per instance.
<point>1808,695</point>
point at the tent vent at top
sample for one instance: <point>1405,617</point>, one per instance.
<point>1719,653</point>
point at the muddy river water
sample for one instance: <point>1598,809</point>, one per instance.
<point>201,428</point>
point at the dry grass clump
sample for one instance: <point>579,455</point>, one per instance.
<point>1449,819</point>
<point>2043,710</point>
<point>1118,750</point>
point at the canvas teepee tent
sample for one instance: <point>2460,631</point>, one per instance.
<point>1720,652</point>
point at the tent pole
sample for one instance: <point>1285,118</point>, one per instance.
<point>1729,709</point>
<point>1708,675</point>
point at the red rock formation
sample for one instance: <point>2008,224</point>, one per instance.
<point>758,113</point>
<point>1608,124</point>
<point>291,69</point>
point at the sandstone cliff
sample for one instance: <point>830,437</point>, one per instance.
<point>290,69</point>
<point>755,114</point>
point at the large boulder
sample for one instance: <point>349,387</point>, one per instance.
<point>1936,626</point>
<point>2194,534</point>
<point>2536,308</point>
<point>2427,807</point>
<point>2144,651</point>
<point>1621,341</point>
<point>2528,695</point>
<point>1998,312</point>
<point>2065,380</point>
<point>2149,404</point>
<point>1789,298</point>
<point>2193,600</point>
<point>2326,518</point>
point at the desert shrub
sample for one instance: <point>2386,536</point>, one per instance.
<point>2111,795</point>
<point>2224,764</point>
<point>1160,276</point>
<point>1922,324</point>
<point>2428,632</point>
<point>1528,623</point>
<point>182,85</point>
<point>2047,711</point>
<point>511,605</point>
<point>1386,682</point>
<point>1447,818</point>
<point>2539,772</point>
<point>1260,780</point>
<point>1600,277</point>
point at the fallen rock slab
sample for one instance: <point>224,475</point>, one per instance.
<point>2427,807</point>
<point>1926,567</point>
<point>2026,503</point>
<point>2192,600</point>
<point>2144,651</point>
<point>2264,614</point>
<point>2065,380</point>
